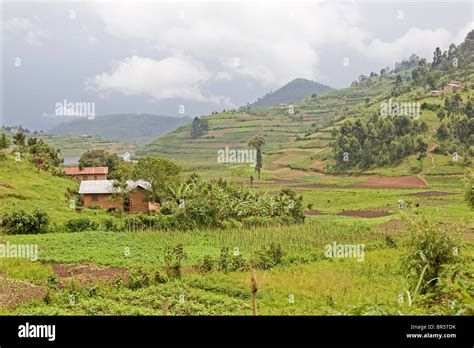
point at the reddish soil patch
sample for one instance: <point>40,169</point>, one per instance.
<point>220,132</point>
<point>431,193</point>
<point>396,224</point>
<point>393,182</point>
<point>313,212</point>
<point>365,213</point>
<point>294,183</point>
<point>87,273</point>
<point>318,165</point>
<point>13,292</point>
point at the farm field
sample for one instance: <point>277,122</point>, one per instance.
<point>96,266</point>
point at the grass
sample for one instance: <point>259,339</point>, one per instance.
<point>301,243</point>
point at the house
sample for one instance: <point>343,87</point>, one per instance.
<point>452,85</point>
<point>87,173</point>
<point>104,194</point>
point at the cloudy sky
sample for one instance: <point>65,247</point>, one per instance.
<point>189,59</point>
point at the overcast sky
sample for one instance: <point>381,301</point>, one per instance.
<point>161,57</point>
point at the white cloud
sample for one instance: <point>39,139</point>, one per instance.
<point>414,40</point>
<point>23,28</point>
<point>174,77</point>
<point>274,44</point>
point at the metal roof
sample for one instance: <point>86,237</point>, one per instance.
<point>107,186</point>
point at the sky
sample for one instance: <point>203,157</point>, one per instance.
<point>190,59</point>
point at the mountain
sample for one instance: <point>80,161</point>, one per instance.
<point>301,140</point>
<point>137,129</point>
<point>293,91</point>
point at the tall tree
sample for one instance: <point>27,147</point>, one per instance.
<point>19,138</point>
<point>160,172</point>
<point>4,142</point>
<point>257,142</point>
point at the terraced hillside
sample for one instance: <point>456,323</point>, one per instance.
<point>280,126</point>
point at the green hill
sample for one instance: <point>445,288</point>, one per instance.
<point>127,128</point>
<point>299,136</point>
<point>291,92</point>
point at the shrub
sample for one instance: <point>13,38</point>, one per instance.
<point>230,262</point>
<point>207,264</point>
<point>173,258</point>
<point>432,247</point>
<point>80,224</point>
<point>169,208</point>
<point>20,222</point>
<point>138,278</point>
<point>109,225</point>
<point>159,277</point>
<point>270,256</point>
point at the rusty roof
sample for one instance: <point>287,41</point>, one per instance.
<point>86,171</point>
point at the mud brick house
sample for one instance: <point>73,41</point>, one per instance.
<point>100,193</point>
<point>88,173</point>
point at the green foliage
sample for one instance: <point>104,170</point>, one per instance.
<point>80,224</point>
<point>199,127</point>
<point>432,247</point>
<point>257,142</point>
<point>138,278</point>
<point>378,141</point>
<point>270,256</point>
<point>160,172</point>
<point>20,222</point>
<point>174,256</point>
<point>19,138</point>
<point>4,142</point>
<point>229,261</point>
<point>469,190</point>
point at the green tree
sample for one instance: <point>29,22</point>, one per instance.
<point>437,57</point>
<point>4,142</point>
<point>199,127</point>
<point>19,138</point>
<point>257,142</point>
<point>162,173</point>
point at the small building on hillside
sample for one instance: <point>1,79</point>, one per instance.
<point>104,194</point>
<point>452,85</point>
<point>87,173</point>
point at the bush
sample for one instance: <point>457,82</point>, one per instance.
<point>207,264</point>
<point>173,258</point>
<point>138,278</point>
<point>109,225</point>
<point>80,224</point>
<point>169,208</point>
<point>230,262</point>
<point>20,222</point>
<point>432,247</point>
<point>159,277</point>
<point>269,257</point>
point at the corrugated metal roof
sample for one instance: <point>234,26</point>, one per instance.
<point>86,171</point>
<point>107,186</point>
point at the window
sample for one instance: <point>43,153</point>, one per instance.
<point>85,177</point>
<point>95,177</point>
<point>95,198</point>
